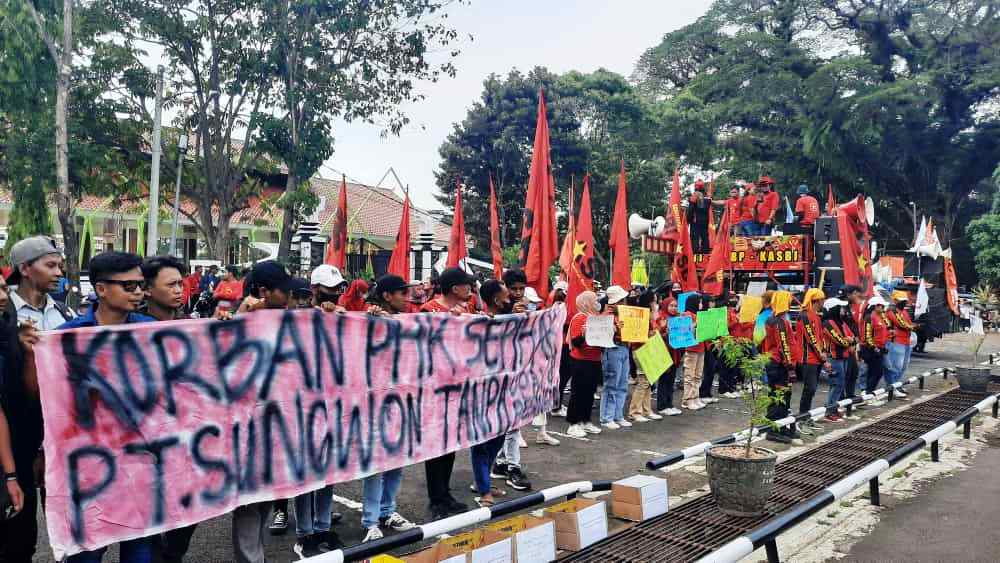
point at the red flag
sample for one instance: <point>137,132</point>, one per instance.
<point>336,251</point>
<point>495,234</point>
<point>456,243</point>
<point>831,202</point>
<point>711,216</point>
<point>719,260</point>
<point>672,219</point>
<point>951,286</point>
<point>580,276</point>
<point>620,267</point>
<point>539,240</point>
<point>399,262</point>
<point>566,254</point>
<point>684,271</point>
<point>855,254</point>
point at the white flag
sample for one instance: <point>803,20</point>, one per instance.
<point>920,235</point>
<point>923,300</point>
<point>976,326</point>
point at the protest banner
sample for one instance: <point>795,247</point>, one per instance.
<point>600,331</point>
<point>680,332</point>
<point>150,427</point>
<point>635,323</point>
<point>653,358</point>
<point>750,307</point>
<point>712,324</point>
<point>682,300</point>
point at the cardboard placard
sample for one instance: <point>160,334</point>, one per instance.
<point>750,307</point>
<point>639,497</point>
<point>534,538</point>
<point>712,324</point>
<point>680,332</point>
<point>579,522</point>
<point>477,546</point>
<point>682,300</point>
<point>756,288</point>
<point>600,331</point>
<point>635,323</point>
<point>653,358</point>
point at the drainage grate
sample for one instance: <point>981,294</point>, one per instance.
<point>697,527</point>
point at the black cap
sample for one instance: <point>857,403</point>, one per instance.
<point>272,275</point>
<point>300,285</point>
<point>389,283</point>
<point>452,277</point>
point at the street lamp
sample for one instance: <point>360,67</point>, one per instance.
<point>914,207</point>
<point>182,145</point>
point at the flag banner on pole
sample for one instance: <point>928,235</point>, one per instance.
<point>151,427</point>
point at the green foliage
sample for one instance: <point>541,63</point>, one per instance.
<point>738,352</point>
<point>983,234</point>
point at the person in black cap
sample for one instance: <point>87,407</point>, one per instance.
<point>273,287</point>
<point>456,293</point>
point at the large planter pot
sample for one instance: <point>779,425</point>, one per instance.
<point>740,485</point>
<point>973,378</point>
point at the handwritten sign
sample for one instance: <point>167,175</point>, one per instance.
<point>600,331</point>
<point>756,288</point>
<point>682,300</point>
<point>680,332</point>
<point>635,323</point>
<point>712,324</point>
<point>750,307</point>
<point>654,358</point>
<point>155,426</point>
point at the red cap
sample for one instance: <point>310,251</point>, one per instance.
<point>765,181</point>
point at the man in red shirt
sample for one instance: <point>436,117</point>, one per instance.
<point>191,284</point>
<point>747,224</point>
<point>767,209</point>
<point>806,208</point>
<point>814,351</point>
<point>899,348</point>
<point>779,345</point>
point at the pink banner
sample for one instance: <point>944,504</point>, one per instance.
<point>155,426</point>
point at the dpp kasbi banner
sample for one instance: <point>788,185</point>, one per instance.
<point>150,427</point>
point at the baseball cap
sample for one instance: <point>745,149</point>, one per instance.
<point>531,295</point>
<point>390,283</point>
<point>616,294</point>
<point>452,277</point>
<point>877,299</point>
<point>26,250</point>
<point>834,302</point>
<point>272,275</point>
<point>327,276</point>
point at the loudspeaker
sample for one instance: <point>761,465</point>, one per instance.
<point>828,255</point>
<point>826,230</point>
<point>927,266</point>
<point>833,279</point>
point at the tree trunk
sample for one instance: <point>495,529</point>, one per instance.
<point>222,235</point>
<point>287,223</point>
<point>64,199</point>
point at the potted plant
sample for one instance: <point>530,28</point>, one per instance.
<point>741,475</point>
<point>976,378</point>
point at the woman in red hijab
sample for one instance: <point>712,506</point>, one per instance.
<point>665,386</point>
<point>354,298</point>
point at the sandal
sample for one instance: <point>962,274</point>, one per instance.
<point>483,502</point>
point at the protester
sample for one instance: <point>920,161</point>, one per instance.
<point>209,280</point>
<point>767,206</point>
<point>842,346</point>
<point>353,298</point>
<point>558,295</point>
<point>586,362</point>
<point>779,345</point>
<point>37,264</point>
<point>328,285</point>
<point>164,288</point>
<point>694,360</point>
<point>711,362</point>
<point>191,283</point>
<point>874,339</point>
<point>615,366</point>
<point>806,208</point>
<point>639,407</point>
<point>899,348</point>
<point>730,377</point>
<point>668,381</point>
<point>814,352</point>
<point>748,212</point>
<point>119,283</point>
<point>229,290</point>
<point>855,379</point>
<point>734,207</point>
<point>456,287</point>
<point>697,218</point>
<point>508,464</point>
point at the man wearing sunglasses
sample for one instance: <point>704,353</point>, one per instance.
<point>121,288</point>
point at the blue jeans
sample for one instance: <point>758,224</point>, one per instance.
<point>132,551</point>
<point>898,359</point>
<point>378,496</point>
<point>482,460</point>
<point>312,511</point>
<point>862,377</point>
<point>615,363</point>
<point>836,382</point>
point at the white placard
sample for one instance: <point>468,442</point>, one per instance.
<point>757,288</point>
<point>600,331</point>
<point>592,524</point>
<point>497,552</point>
<point>536,545</point>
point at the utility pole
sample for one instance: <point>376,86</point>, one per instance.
<point>182,143</point>
<point>153,235</point>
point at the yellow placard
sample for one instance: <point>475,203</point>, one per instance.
<point>635,323</point>
<point>750,307</point>
<point>654,358</point>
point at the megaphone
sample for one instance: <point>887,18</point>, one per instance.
<point>862,209</point>
<point>637,226</point>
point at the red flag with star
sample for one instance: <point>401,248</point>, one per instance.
<point>539,239</point>
<point>580,277</point>
<point>621,273</point>
<point>457,250</point>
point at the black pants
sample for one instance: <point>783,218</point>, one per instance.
<point>851,378</point>
<point>438,472</point>
<point>781,391</point>
<point>875,370</point>
<point>586,376</point>
<point>665,389</point>
<point>809,374</point>
<point>708,375</point>
<point>565,373</point>
<point>19,535</point>
<point>174,544</point>
<point>699,238</point>
<point>728,377</point>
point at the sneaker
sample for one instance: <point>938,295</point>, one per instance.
<point>546,440</point>
<point>639,418</point>
<point>623,423</point>
<point>700,404</point>
<point>309,546</point>
<point>373,534</point>
<point>778,437</point>
<point>671,411</point>
<point>440,511</point>
<point>279,522</point>
<point>520,442</point>
<point>499,471</point>
<point>396,522</point>
<point>731,395</point>
<point>517,480</point>
<point>654,416</point>
<point>901,393</point>
<point>610,425</point>
<point>806,430</point>
<point>455,506</point>
<point>591,428</point>
<point>329,541</point>
<point>876,403</point>
<point>597,396</point>
<point>577,431</point>
<point>834,418</point>
<point>709,400</point>
<point>561,412</point>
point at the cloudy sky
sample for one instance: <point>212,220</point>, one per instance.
<point>562,35</point>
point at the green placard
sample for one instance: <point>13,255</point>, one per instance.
<point>712,324</point>
<point>653,357</point>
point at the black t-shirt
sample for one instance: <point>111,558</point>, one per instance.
<point>24,415</point>
<point>697,212</point>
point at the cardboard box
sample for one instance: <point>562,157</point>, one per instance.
<point>579,523</point>
<point>534,538</point>
<point>639,497</point>
<point>477,546</point>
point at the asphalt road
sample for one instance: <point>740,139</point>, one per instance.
<point>610,455</point>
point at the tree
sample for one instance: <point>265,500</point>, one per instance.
<point>983,234</point>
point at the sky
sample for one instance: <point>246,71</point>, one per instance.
<point>561,35</point>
